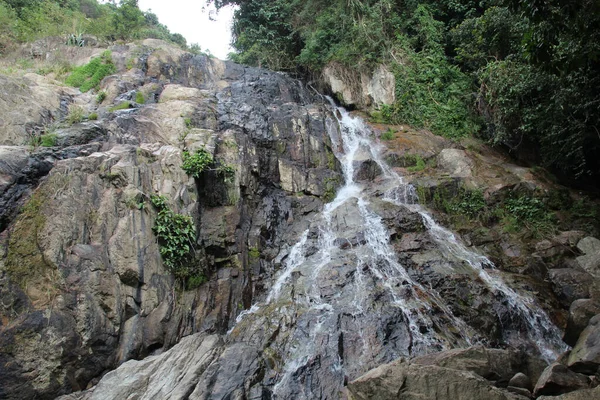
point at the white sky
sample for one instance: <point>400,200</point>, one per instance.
<point>188,18</point>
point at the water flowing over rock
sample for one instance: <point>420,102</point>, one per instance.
<point>321,264</point>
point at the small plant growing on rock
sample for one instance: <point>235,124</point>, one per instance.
<point>139,98</point>
<point>388,135</point>
<point>48,140</point>
<point>176,236</point>
<point>76,115</point>
<point>195,164</point>
<point>90,75</point>
<point>100,97</point>
<point>121,106</point>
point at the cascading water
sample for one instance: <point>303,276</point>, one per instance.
<point>346,302</point>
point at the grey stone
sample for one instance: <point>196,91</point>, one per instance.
<point>585,356</point>
<point>590,261</point>
<point>455,162</point>
<point>558,379</point>
<point>570,285</point>
<point>520,380</point>
<point>416,381</point>
<point>580,313</point>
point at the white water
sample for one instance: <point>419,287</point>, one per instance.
<point>375,268</point>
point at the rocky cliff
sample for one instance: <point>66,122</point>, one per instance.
<point>319,262</point>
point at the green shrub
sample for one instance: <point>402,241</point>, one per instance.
<point>124,105</point>
<point>100,97</point>
<point>93,116</point>
<point>90,75</point>
<point>139,98</point>
<point>76,114</point>
<point>195,164</point>
<point>388,135</point>
<point>529,212</point>
<point>419,164</point>
<point>176,237</point>
<point>48,140</point>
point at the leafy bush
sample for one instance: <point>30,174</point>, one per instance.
<point>90,75</point>
<point>176,236</point>
<point>195,164</point>
<point>389,134</point>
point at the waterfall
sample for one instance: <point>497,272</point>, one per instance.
<point>326,295</point>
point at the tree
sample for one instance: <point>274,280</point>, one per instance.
<point>127,19</point>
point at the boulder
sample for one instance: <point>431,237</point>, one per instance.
<point>400,379</point>
<point>580,313</point>
<point>362,89</point>
<point>585,394</point>
<point>456,162</point>
<point>570,284</point>
<point>590,261</point>
<point>558,379</point>
<point>585,356</point>
<point>491,364</point>
<point>520,380</point>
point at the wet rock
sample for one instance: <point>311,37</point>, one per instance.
<point>423,381</point>
<point>520,391</point>
<point>492,364</point>
<point>79,134</point>
<point>590,261</point>
<point>520,380</point>
<point>455,162</point>
<point>585,394</point>
<point>364,89</point>
<point>367,171</point>
<point>570,284</point>
<point>580,313</point>
<point>585,356</point>
<point>558,379</point>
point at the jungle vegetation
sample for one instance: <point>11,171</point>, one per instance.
<point>523,74</point>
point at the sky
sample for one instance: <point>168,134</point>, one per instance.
<point>188,18</point>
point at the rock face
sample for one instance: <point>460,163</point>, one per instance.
<point>315,263</point>
<point>83,285</point>
<point>362,90</point>
<point>403,380</point>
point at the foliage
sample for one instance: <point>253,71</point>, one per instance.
<point>176,236</point>
<point>29,20</point>
<point>76,114</point>
<point>524,74</point>
<point>139,98</point>
<point>90,75</point>
<point>530,212</point>
<point>389,134</point>
<point>100,97</point>
<point>48,140</point>
<point>419,164</point>
<point>124,105</point>
<point>195,164</point>
<point>93,116</point>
